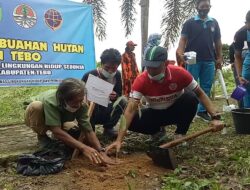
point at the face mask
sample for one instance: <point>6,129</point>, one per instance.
<point>70,109</point>
<point>157,77</point>
<point>108,75</point>
<point>203,12</point>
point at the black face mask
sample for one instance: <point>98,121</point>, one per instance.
<point>203,12</point>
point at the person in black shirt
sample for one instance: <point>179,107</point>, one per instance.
<point>110,60</point>
<point>201,34</point>
<point>242,39</point>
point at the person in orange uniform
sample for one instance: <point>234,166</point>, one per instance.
<point>129,68</point>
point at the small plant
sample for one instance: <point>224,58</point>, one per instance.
<point>132,173</point>
<point>122,120</point>
<point>242,163</point>
<point>130,186</point>
<point>173,182</point>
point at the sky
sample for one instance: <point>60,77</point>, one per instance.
<point>230,15</point>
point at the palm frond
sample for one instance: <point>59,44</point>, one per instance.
<point>177,12</point>
<point>99,20</point>
<point>128,12</point>
<point>189,7</point>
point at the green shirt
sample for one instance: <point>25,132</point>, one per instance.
<point>56,115</point>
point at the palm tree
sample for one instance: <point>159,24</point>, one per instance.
<point>99,20</point>
<point>177,11</point>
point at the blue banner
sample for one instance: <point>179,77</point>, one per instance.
<point>44,41</point>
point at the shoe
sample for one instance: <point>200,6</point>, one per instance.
<point>178,136</point>
<point>204,116</point>
<point>110,133</point>
<point>43,141</point>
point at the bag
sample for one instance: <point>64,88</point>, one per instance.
<point>31,165</point>
<point>49,160</point>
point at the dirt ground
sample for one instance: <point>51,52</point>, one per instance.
<point>136,171</point>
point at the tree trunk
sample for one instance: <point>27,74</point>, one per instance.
<point>144,24</point>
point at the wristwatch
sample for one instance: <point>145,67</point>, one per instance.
<point>216,117</point>
<point>101,149</point>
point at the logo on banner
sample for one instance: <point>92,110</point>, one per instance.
<point>24,16</point>
<point>53,19</point>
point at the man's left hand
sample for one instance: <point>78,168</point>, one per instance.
<point>113,96</point>
<point>217,125</point>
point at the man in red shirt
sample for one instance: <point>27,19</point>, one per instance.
<point>171,94</point>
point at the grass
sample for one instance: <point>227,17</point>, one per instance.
<point>218,165</point>
<point>214,161</point>
<point>229,81</point>
<point>11,101</point>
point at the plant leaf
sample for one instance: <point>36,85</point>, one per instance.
<point>177,12</point>
<point>128,11</point>
<point>99,8</point>
<point>139,111</point>
<point>116,103</point>
<point>122,126</point>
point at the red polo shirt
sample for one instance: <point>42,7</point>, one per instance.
<point>163,95</point>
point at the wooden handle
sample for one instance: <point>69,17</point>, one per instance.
<point>81,137</point>
<point>186,138</point>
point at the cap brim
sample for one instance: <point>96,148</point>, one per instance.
<point>152,63</point>
<point>131,44</point>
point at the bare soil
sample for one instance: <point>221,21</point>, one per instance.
<point>136,171</point>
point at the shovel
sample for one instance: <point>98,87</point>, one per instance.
<point>223,85</point>
<point>229,107</point>
<point>163,156</point>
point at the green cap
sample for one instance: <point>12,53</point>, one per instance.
<point>155,56</point>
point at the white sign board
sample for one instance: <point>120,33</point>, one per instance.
<point>98,90</point>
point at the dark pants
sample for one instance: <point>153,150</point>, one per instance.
<point>102,115</point>
<point>180,113</point>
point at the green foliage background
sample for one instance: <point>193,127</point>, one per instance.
<point>11,102</point>
<point>12,99</point>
